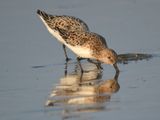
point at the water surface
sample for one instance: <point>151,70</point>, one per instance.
<point>129,26</point>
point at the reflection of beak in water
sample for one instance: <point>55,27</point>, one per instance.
<point>88,95</point>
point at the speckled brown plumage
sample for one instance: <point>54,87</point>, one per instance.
<point>82,38</point>
<point>74,33</point>
<point>93,41</point>
<point>63,22</point>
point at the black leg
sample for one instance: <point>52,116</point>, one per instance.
<point>65,53</point>
<point>78,60</point>
<point>98,64</point>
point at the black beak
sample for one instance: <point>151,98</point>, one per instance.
<point>116,68</point>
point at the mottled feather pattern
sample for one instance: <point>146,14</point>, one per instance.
<point>74,33</point>
<point>64,22</point>
<point>84,39</point>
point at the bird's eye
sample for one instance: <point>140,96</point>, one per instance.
<point>109,57</point>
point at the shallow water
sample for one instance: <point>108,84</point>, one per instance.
<point>32,65</point>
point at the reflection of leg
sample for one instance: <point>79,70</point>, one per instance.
<point>116,75</point>
<point>81,80</point>
<point>98,64</point>
<point>65,53</point>
<point>65,68</point>
<point>116,68</point>
<point>78,60</point>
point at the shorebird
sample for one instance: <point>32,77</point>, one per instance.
<point>89,45</point>
<point>65,22</point>
<point>74,33</point>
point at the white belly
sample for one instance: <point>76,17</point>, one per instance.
<point>81,52</point>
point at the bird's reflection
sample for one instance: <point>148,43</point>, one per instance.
<point>85,92</point>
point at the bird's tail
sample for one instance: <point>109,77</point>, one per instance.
<point>43,14</point>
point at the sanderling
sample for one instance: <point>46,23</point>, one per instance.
<point>74,33</point>
<point>90,45</point>
<point>65,22</point>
